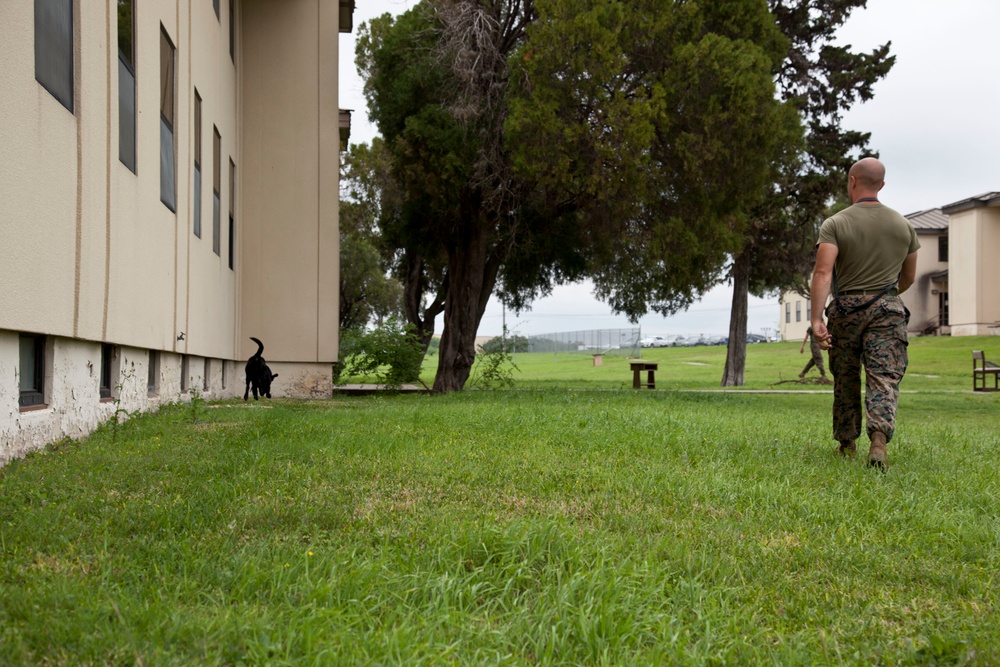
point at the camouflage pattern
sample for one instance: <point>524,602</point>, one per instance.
<point>876,338</point>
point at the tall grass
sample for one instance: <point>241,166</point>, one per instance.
<point>557,527</point>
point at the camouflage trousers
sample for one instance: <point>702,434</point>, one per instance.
<point>816,359</point>
<point>874,337</point>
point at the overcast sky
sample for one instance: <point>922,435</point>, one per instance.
<point>935,120</point>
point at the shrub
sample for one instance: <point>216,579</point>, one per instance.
<point>390,354</point>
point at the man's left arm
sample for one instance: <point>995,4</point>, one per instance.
<point>908,273</point>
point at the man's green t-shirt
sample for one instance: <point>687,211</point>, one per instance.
<point>872,242</point>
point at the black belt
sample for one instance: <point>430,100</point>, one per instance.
<point>875,292</point>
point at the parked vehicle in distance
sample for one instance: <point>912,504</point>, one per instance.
<point>755,338</point>
<point>653,341</point>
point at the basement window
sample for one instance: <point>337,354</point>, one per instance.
<point>31,371</point>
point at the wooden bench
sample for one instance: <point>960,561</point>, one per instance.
<point>980,369</point>
<point>637,368</point>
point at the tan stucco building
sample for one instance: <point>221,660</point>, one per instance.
<point>957,286</point>
<point>973,269</point>
<point>169,182</point>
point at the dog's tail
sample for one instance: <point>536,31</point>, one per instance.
<point>260,346</point>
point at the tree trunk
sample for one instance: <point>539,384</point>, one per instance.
<point>472,274</point>
<point>736,352</point>
<point>413,297</point>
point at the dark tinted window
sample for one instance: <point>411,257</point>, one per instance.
<point>54,48</point>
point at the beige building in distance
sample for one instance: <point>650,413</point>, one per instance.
<point>169,182</point>
<point>957,287</point>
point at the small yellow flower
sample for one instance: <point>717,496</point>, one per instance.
<point>310,553</point>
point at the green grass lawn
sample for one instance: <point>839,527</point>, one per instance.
<point>936,364</point>
<point>559,526</point>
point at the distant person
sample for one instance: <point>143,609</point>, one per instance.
<point>817,354</point>
<point>867,255</point>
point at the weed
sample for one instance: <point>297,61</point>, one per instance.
<point>494,368</point>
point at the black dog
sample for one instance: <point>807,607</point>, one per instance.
<point>258,374</point>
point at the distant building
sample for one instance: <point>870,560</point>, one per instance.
<point>957,286</point>
<point>169,182</point>
<point>927,299</point>
<point>973,266</point>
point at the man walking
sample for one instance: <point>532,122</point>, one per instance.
<point>817,355</point>
<point>867,256</point>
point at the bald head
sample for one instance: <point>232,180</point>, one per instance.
<point>870,174</point>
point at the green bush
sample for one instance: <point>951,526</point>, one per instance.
<point>389,355</point>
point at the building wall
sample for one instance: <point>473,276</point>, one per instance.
<point>74,406</point>
<point>95,254</point>
<point>793,328</point>
<point>922,298</point>
<point>974,274</point>
<point>291,143</point>
<point>90,253</point>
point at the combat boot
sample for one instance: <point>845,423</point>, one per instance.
<point>847,448</point>
<point>876,452</point>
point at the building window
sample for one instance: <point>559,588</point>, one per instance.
<point>232,217</point>
<point>798,311</point>
<point>943,248</point>
<point>168,171</point>
<point>216,189</point>
<point>153,373</point>
<point>54,48</point>
<point>32,370</point>
<point>185,373</point>
<point>809,311</point>
<point>232,33</point>
<point>107,357</point>
<point>943,308</point>
<point>126,83</point>
<point>197,163</point>
<point>788,312</point>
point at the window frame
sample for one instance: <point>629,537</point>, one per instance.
<point>197,163</point>
<point>33,398</point>
<point>232,215</point>
<point>153,373</point>
<point>105,386</point>
<point>61,47</point>
<point>232,32</point>
<point>126,68</point>
<point>168,116</point>
<point>216,191</point>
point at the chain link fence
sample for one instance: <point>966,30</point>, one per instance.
<point>618,342</point>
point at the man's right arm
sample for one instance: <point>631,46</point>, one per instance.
<point>819,290</point>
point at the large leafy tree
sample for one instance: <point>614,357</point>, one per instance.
<point>367,292</point>
<point>436,82</point>
<point>821,80</point>
<point>655,124</point>
<point>536,141</point>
